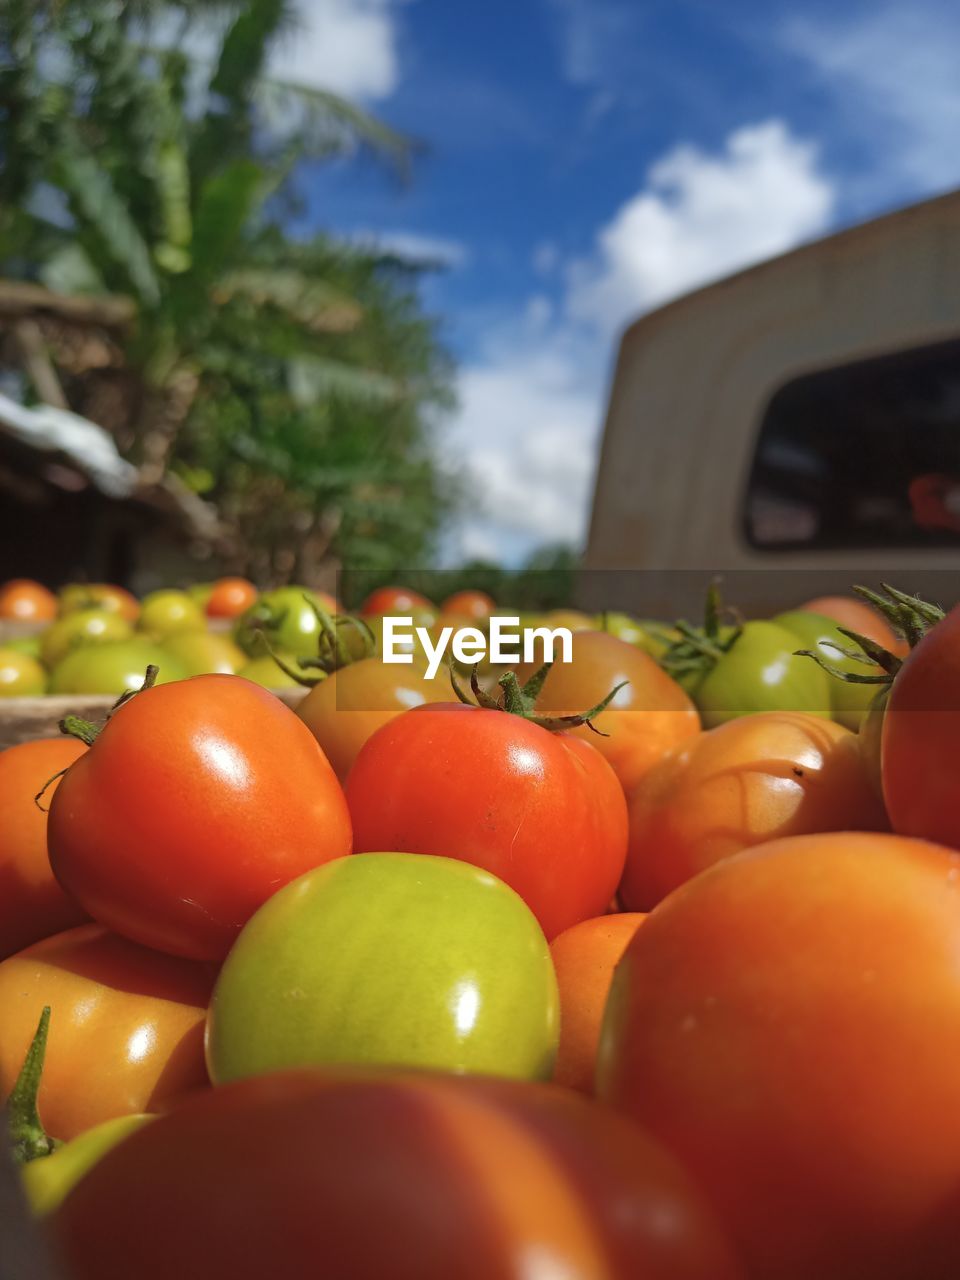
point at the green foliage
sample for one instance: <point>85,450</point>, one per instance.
<point>291,384</point>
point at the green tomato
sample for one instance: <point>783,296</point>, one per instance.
<point>624,628</point>
<point>113,668</point>
<point>285,618</point>
<point>162,613</point>
<point>30,645</point>
<point>264,671</point>
<point>759,672</point>
<point>81,628</point>
<point>203,652</point>
<point>199,593</point>
<point>397,959</point>
<point>20,675</point>
<point>848,702</point>
<point>47,1180</point>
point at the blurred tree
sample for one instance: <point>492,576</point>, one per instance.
<point>291,384</point>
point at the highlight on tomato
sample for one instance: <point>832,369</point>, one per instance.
<point>24,600</point>
<point>21,676</point>
<point>367,1175</point>
<point>470,606</point>
<point>99,595</point>
<point>399,601</point>
<point>229,597</point>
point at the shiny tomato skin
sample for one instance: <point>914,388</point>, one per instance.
<point>648,717</point>
<point>126,1026</point>
<point>411,1177</point>
<point>396,601</point>
<point>788,1024</point>
<point>754,779</point>
<point>761,672</point>
<point>229,597</point>
<point>474,606</point>
<point>856,615</point>
<point>345,710</point>
<point>32,904</point>
<point>21,676</point>
<point>23,600</point>
<point>198,800</point>
<point>99,595</point>
<point>542,811</point>
<point>113,667</point>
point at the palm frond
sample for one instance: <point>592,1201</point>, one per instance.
<point>313,303</point>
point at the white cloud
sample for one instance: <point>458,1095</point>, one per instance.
<point>416,246</point>
<point>700,217</point>
<point>894,66</point>
<point>347,46</point>
<point>532,407</point>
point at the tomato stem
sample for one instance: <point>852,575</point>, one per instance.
<point>520,700</point>
<point>29,1140</point>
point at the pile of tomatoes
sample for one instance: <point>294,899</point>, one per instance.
<point>456,978</point>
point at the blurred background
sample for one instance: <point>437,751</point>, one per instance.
<point>294,285</point>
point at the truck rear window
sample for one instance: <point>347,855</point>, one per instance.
<point>864,455</point>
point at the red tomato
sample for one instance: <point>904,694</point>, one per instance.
<point>920,738</point>
<point>198,800</point>
<point>126,1026</point>
<point>395,600</point>
<point>229,597</point>
<point>649,716</point>
<point>788,1024</point>
<point>754,779</point>
<point>32,904</point>
<point>542,811</point>
<point>473,606</point>
<point>23,600</point>
<point>391,1175</point>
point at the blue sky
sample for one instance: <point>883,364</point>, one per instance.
<point>585,160</point>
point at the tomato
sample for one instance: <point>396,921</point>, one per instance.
<point>471,606</point>
<point>23,600</point>
<point>163,613</point>
<point>126,1026</point>
<point>99,595</point>
<point>870,738</point>
<point>920,738</point>
<point>198,800</point>
<point>32,904</point>
<point>113,668</point>
<point>266,673</point>
<point>345,710</point>
<point>285,618</point>
<point>780,773</point>
<point>364,1176</point>
<point>849,700</point>
<point>397,601</point>
<point>760,672</point>
<point>543,812</point>
<point>469,985</point>
<point>48,1179</point>
<point>30,645</point>
<point>650,715</point>
<point>229,597</point>
<point>20,675</point>
<point>201,653</point>
<point>585,956</point>
<point>623,627</point>
<point>82,627</point>
<point>572,619</point>
<point>788,1024</point>
<point>856,615</point>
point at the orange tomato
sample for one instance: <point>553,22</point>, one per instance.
<point>856,615</point>
<point>229,597</point>
<point>411,1177</point>
<point>126,1026</point>
<point>100,595</point>
<point>32,904</point>
<point>754,779</point>
<point>649,716</point>
<point>788,1025</point>
<point>395,600</point>
<point>584,957</point>
<point>23,600</point>
<point>471,606</point>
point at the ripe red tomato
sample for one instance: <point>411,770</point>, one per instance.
<point>396,600</point>
<point>649,716</point>
<point>126,1026</point>
<point>920,738</point>
<point>229,597</point>
<point>778,773</point>
<point>23,600</point>
<point>390,1175</point>
<point>198,800</point>
<point>32,904</point>
<point>475,606</point>
<point>788,1024</point>
<point>542,811</point>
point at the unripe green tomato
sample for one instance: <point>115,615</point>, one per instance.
<point>201,653</point>
<point>30,645</point>
<point>20,675</point>
<point>398,959</point>
<point>265,672</point>
<point>624,628</point>
<point>848,701</point>
<point>113,668</point>
<point>760,672</point>
<point>285,618</point>
<point>200,593</point>
<point>48,1179</point>
<point>82,628</point>
<point>162,613</point>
